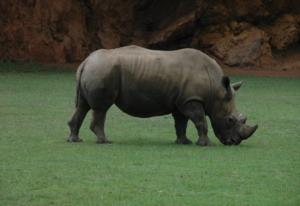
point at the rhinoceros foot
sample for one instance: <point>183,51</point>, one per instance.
<point>183,141</point>
<point>203,142</point>
<point>74,139</point>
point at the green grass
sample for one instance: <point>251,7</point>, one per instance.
<point>143,166</point>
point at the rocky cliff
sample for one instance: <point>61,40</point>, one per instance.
<point>237,32</point>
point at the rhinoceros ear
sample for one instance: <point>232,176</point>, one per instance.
<point>237,85</point>
<point>226,84</point>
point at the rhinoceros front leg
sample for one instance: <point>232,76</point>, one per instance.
<point>97,126</point>
<point>180,127</point>
<point>195,112</point>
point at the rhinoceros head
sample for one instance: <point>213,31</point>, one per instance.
<point>228,124</point>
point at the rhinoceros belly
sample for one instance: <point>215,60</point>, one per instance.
<point>144,104</point>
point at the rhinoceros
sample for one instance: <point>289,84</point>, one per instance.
<point>141,82</point>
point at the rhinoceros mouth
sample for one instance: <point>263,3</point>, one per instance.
<point>232,141</point>
<point>244,133</point>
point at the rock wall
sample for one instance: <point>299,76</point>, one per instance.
<point>237,32</point>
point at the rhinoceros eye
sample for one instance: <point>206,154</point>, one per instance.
<point>230,120</point>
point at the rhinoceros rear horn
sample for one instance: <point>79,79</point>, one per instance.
<point>236,85</point>
<point>247,131</point>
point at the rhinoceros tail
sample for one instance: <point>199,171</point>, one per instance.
<point>78,85</point>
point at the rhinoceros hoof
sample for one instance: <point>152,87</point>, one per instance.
<point>183,141</point>
<point>74,139</point>
<point>203,142</point>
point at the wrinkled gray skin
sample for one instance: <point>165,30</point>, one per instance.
<point>143,83</point>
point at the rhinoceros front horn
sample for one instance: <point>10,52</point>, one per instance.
<point>247,131</point>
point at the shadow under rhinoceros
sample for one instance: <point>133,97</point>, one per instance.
<point>168,143</point>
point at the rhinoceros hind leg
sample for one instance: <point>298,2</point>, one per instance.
<point>75,123</point>
<point>97,125</point>
<point>180,127</point>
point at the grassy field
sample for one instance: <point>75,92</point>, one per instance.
<point>143,166</point>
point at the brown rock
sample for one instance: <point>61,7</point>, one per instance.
<point>284,32</point>
<point>43,31</point>
<point>68,30</point>
<point>248,48</point>
<point>249,11</point>
<point>237,44</point>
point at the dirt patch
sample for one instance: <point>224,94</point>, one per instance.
<point>262,73</point>
<point>286,64</point>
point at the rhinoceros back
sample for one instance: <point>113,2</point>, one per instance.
<point>144,82</point>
